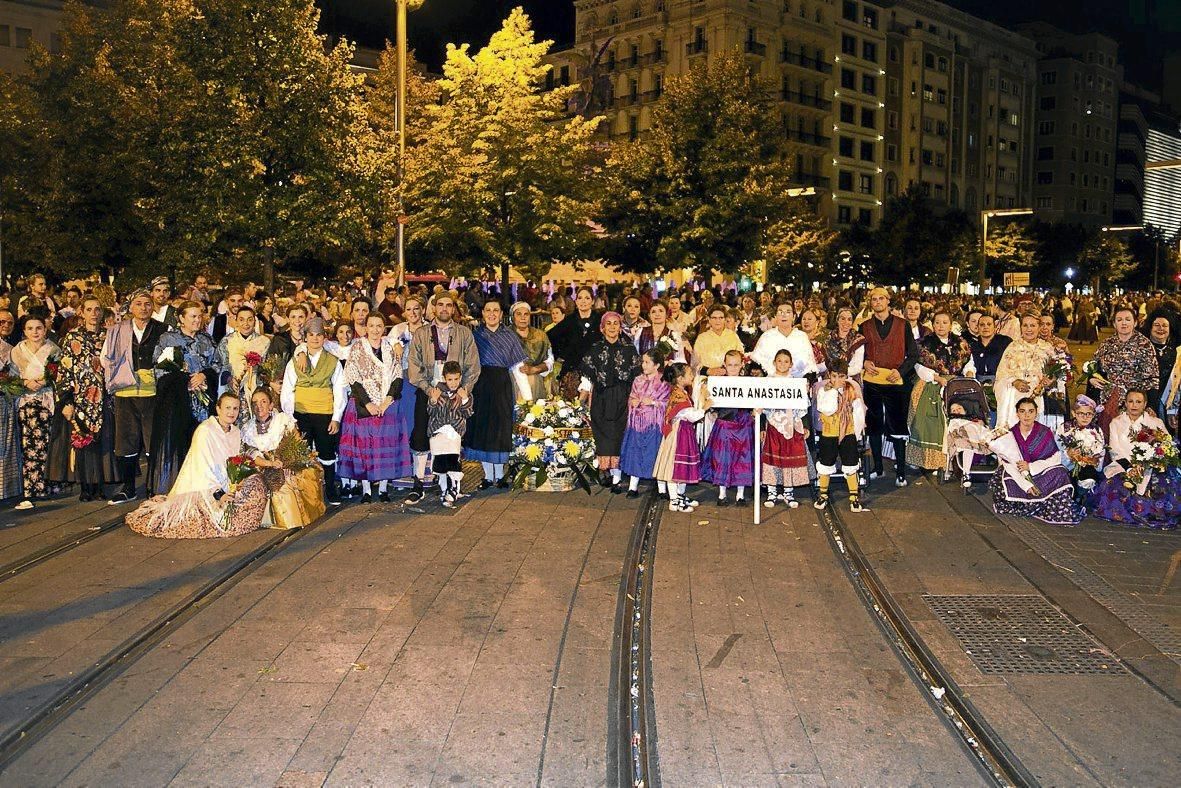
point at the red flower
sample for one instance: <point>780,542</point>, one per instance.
<point>253,359</point>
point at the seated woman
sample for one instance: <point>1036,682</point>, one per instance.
<point>296,496</point>
<point>201,503</point>
<point>1031,481</point>
<point>1130,494</point>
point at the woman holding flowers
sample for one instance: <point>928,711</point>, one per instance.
<point>608,369</point>
<point>217,492</point>
<point>1021,372</point>
<point>942,356</point>
<point>1057,367</point>
<point>84,404</point>
<point>660,336</point>
<point>186,374</point>
<point>1123,362</point>
<point>1143,483</point>
<point>35,360</point>
<point>489,436</point>
<point>1031,480</point>
<point>645,413</point>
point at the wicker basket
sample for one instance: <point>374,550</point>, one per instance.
<point>556,480</point>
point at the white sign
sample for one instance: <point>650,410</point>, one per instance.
<point>749,392</point>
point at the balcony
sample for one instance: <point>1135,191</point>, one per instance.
<point>809,179</point>
<point>802,61</point>
<point>648,96</point>
<point>625,101</point>
<point>805,100</point>
<point>756,49</point>
<point>696,48</point>
<point>806,138</point>
<point>653,58</point>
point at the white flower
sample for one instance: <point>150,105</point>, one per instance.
<point>575,436</point>
<point>529,419</point>
<point>169,354</point>
<point>549,442</point>
<point>548,432</point>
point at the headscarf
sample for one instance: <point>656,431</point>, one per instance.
<point>315,325</point>
<point>519,305</point>
<point>1083,401</point>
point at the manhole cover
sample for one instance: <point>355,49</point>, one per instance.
<point>1020,634</point>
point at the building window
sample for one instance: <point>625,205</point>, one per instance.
<point>24,36</point>
<point>849,10</point>
<point>848,113</point>
<point>939,191</point>
<point>939,160</point>
<point>848,79</point>
<point>1045,128</point>
<point>891,185</point>
<point>928,125</point>
<point>943,64</point>
<point>1048,103</point>
<point>892,120</point>
<point>869,51</point>
<point>867,151</point>
<point>1045,154</point>
<point>928,157</point>
<point>941,96</point>
<point>929,60</point>
<point>845,181</point>
<point>5,36</point>
<point>891,154</point>
<point>892,86</point>
<point>633,127</point>
<point>848,44</point>
<point>928,93</point>
<point>869,118</point>
<point>864,216</point>
<point>1045,177</point>
<point>893,54</point>
<point>869,18</point>
<point>844,214</point>
<point>869,85</point>
<point>1045,203</point>
<point>845,146</point>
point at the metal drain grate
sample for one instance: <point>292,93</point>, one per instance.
<point>1025,634</point>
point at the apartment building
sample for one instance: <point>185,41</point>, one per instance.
<point>1079,77</point>
<point>23,23</point>
<point>874,95</point>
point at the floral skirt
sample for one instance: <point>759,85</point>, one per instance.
<point>198,515</point>
<point>34,423</point>
<point>1055,506</point>
<point>1159,507</point>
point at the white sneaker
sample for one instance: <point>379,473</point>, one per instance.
<point>790,502</point>
<point>24,505</point>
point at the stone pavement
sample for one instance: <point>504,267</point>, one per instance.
<point>381,649</point>
<point>769,671</point>
<point>1110,727</point>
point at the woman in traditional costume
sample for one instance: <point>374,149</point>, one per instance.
<point>1126,361</point>
<point>186,374</point>
<point>658,334</point>
<point>1131,494</point>
<point>539,356</point>
<point>645,413</point>
<point>1031,480</point>
<point>33,360</point>
<point>84,403</point>
<point>489,436</point>
<point>942,356</point>
<point>678,463</point>
<point>608,370</point>
<point>846,343</point>
<point>373,447</point>
<point>202,502</point>
<point>1020,373</point>
<point>10,450</point>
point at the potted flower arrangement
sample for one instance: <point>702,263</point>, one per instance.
<point>553,448</point>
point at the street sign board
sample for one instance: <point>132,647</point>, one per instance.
<point>751,392</point>
<point>1017,280</point>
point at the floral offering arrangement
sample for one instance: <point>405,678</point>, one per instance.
<point>253,359</point>
<point>1152,451</point>
<point>665,348</point>
<point>553,437</point>
<point>1084,447</point>
<point>1057,367</point>
<point>11,385</point>
<point>1091,370</point>
<point>239,468</point>
<point>294,452</point>
<point>271,368</point>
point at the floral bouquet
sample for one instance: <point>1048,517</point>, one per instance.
<point>80,438</point>
<point>1084,447</point>
<point>294,452</point>
<point>271,368</point>
<point>665,348</point>
<point>253,359</point>
<point>239,468</point>
<point>1091,369</point>
<point>553,436</point>
<point>1056,368</point>
<point>11,385</point>
<point>1152,450</point>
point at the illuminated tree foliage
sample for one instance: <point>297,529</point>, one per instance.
<point>499,175</point>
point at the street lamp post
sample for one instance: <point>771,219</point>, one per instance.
<point>984,217</point>
<point>400,123</point>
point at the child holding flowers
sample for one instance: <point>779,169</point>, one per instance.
<point>1083,446</point>
<point>1143,480</point>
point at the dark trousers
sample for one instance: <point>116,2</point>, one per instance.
<point>314,427</point>
<point>886,409</point>
<point>133,425</point>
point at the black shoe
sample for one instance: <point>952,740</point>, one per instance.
<point>616,488</point>
<point>416,495</point>
<point>723,501</point>
<point>366,498</point>
<point>122,497</point>
<point>633,494</point>
<point>485,485</point>
<point>504,483</point>
<point>741,503</point>
<point>85,497</point>
<point>384,496</point>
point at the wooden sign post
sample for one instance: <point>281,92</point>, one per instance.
<point>749,393</point>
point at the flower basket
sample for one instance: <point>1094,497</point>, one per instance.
<point>557,480</point>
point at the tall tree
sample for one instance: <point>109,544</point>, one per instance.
<point>707,181</point>
<point>1106,256</point>
<point>799,248</point>
<point>1010,248</point>
<point>500,175</point>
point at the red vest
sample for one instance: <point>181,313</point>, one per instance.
<point>888,353</point>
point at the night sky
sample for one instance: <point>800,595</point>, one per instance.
<point>1145,29</point>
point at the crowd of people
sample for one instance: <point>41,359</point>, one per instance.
<point>393,385</point>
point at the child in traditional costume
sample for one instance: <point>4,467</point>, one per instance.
<point>785,451</point>
<point>1083,446</point>
<point>728,459</point>
<point>447,416</point>
<point>646,406</point>
<point>678,462</point>
<point>840,410</point>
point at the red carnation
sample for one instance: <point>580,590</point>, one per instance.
<point>253,359</point>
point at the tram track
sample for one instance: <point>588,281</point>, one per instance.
<point>37,557</point>
<point>995,760</point>
<point>44,718</point>
<point>632,757</point>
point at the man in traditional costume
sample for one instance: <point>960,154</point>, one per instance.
<point>314,393</point>
<point>890,355</point>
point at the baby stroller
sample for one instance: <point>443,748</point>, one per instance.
<point>968,393</point>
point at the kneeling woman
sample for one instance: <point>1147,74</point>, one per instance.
<point>1031,480</point>
<point>1134,495</point>
<point>201,503</point>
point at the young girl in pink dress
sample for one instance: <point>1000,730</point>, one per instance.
<point>678,463</point>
